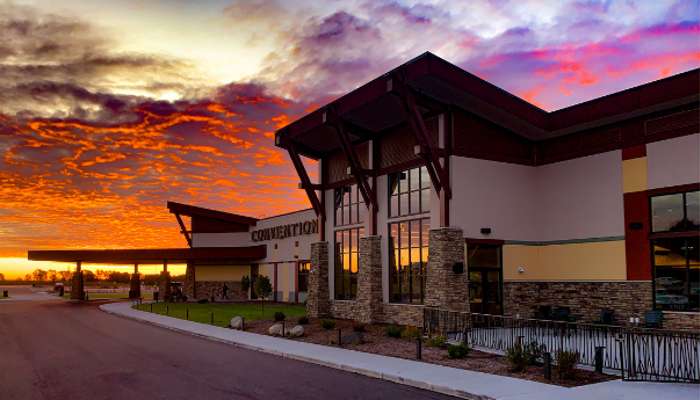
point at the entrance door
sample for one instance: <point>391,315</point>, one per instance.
<point>485,278</point>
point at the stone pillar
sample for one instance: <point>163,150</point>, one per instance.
<point>317,300</point>
<point>135,286</point>
<point>445,288</point>
<point>369,280</point>
<point>76,291</point>
<point>189,286</point>
<point>164,285</point>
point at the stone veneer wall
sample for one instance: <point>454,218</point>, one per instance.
<point>403,314</point>
<point>188,286</point>
<point>317,301</point>
<point>207,289</point>
<point>369,280</point>
<point>586,299</point>
<point>682,320</point>
<point>443,287</point>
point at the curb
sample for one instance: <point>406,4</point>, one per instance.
<point>342,367</point>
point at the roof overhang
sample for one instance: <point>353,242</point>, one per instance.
<point>439,85</point>
<point>226,255</point>
<point>194,211</point>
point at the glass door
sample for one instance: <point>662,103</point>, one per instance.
<point>485,278</point>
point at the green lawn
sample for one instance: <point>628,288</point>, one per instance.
<point>223,312</point>
<point>117,295</point>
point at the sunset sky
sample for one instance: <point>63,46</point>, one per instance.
<point>110,108</point>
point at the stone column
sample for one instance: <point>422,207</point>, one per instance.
<point>445,288</point>
<point>317,300</point>
<point>369,280</point>
<point>189,286</point>
<point>135,286</point>
<point>76,291</point>
<point>164,285</point>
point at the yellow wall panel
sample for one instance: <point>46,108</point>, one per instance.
<point>571,261</point>
<point>634,175</point>
<point>220,273</point>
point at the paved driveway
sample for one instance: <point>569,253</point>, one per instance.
<point>59,350</point>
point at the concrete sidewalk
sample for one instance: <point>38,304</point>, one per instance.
<point>451,381</point>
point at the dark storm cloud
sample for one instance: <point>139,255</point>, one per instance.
<point>60,67</point>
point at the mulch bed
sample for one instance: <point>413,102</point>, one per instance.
<point>376,342</point>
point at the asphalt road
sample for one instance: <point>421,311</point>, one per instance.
<point>58,350</point>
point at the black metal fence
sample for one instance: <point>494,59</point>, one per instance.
<point>637,353</point>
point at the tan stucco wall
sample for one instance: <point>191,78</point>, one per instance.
<point>634,175</point>
<point>220,273</point>
<point>588,261</point>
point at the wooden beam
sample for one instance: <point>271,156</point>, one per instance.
<point>346,145</point>
<point>184,230</point>
<point>304,176</point>
<point>428,149</point>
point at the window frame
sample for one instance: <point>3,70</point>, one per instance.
<point>352,208</point>
<point>339,270</point>
<point>684,220</point>
<point>395,266</point>
<point>420,189</point>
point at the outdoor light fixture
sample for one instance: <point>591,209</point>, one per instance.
<point>521,270</point>
<point>485,231</point>
<point>636,226</point>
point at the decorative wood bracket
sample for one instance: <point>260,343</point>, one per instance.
<point>331,118</point>
<point>184,230</point>
<point>427,149</point>
<point>305,181</point>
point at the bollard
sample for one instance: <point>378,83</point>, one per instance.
<point>599,350</point>
<point>419,348</point>
<point>187,313</point>
<point>519,341</point>
<point>151,307</point>
<point>242,323</point>
<point>547,359</point>
<point>212,318</point>
<point>340,339</point>
<point>4,293</point>
<point>167,311</point>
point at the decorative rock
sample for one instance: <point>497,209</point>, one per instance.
<point>297,331</point>
<point>353,338</point>
<point>275,330</point>
<point>237,322</point>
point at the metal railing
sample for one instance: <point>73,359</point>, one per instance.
<point>638,353</point>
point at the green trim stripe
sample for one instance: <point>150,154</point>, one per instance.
<point>567,241</point>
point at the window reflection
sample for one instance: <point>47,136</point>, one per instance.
<point>346,263</point>
<point>408,249</point>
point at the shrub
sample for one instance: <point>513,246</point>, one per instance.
<point>457,350</point>
<point>245,284</point>
<point>202,301</point>
<point>566,363</point>
<point>279,316</point>
<point>303,320</point>
<point>516,358</point>
<point>359,327</point>
<point>533,351</point>
<point>327,324</point>
<point>436,341</point>
<point>410,333</point>
<point>393,331</point>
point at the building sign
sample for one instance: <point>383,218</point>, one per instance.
<point>284,231</point>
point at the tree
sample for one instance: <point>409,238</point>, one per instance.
<point>39,275</point>
<point>2,276</point>
<point>263,288</point>
<point>245,283</point>
<point>88,276</point>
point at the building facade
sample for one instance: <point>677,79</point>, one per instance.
<point>439,189</point>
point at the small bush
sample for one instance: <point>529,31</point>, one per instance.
<point>410,333</point>
<point>436,341</point>
<point>202,301</point>
<point>304,320</point>
<point>393,331</point>
<point>566,363</point>
<point>327,324</point>
<point>457,350</point>
<point>359,327</point>
<point>517,358</point>
<point>279,316</point>
<point>533,352</point>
